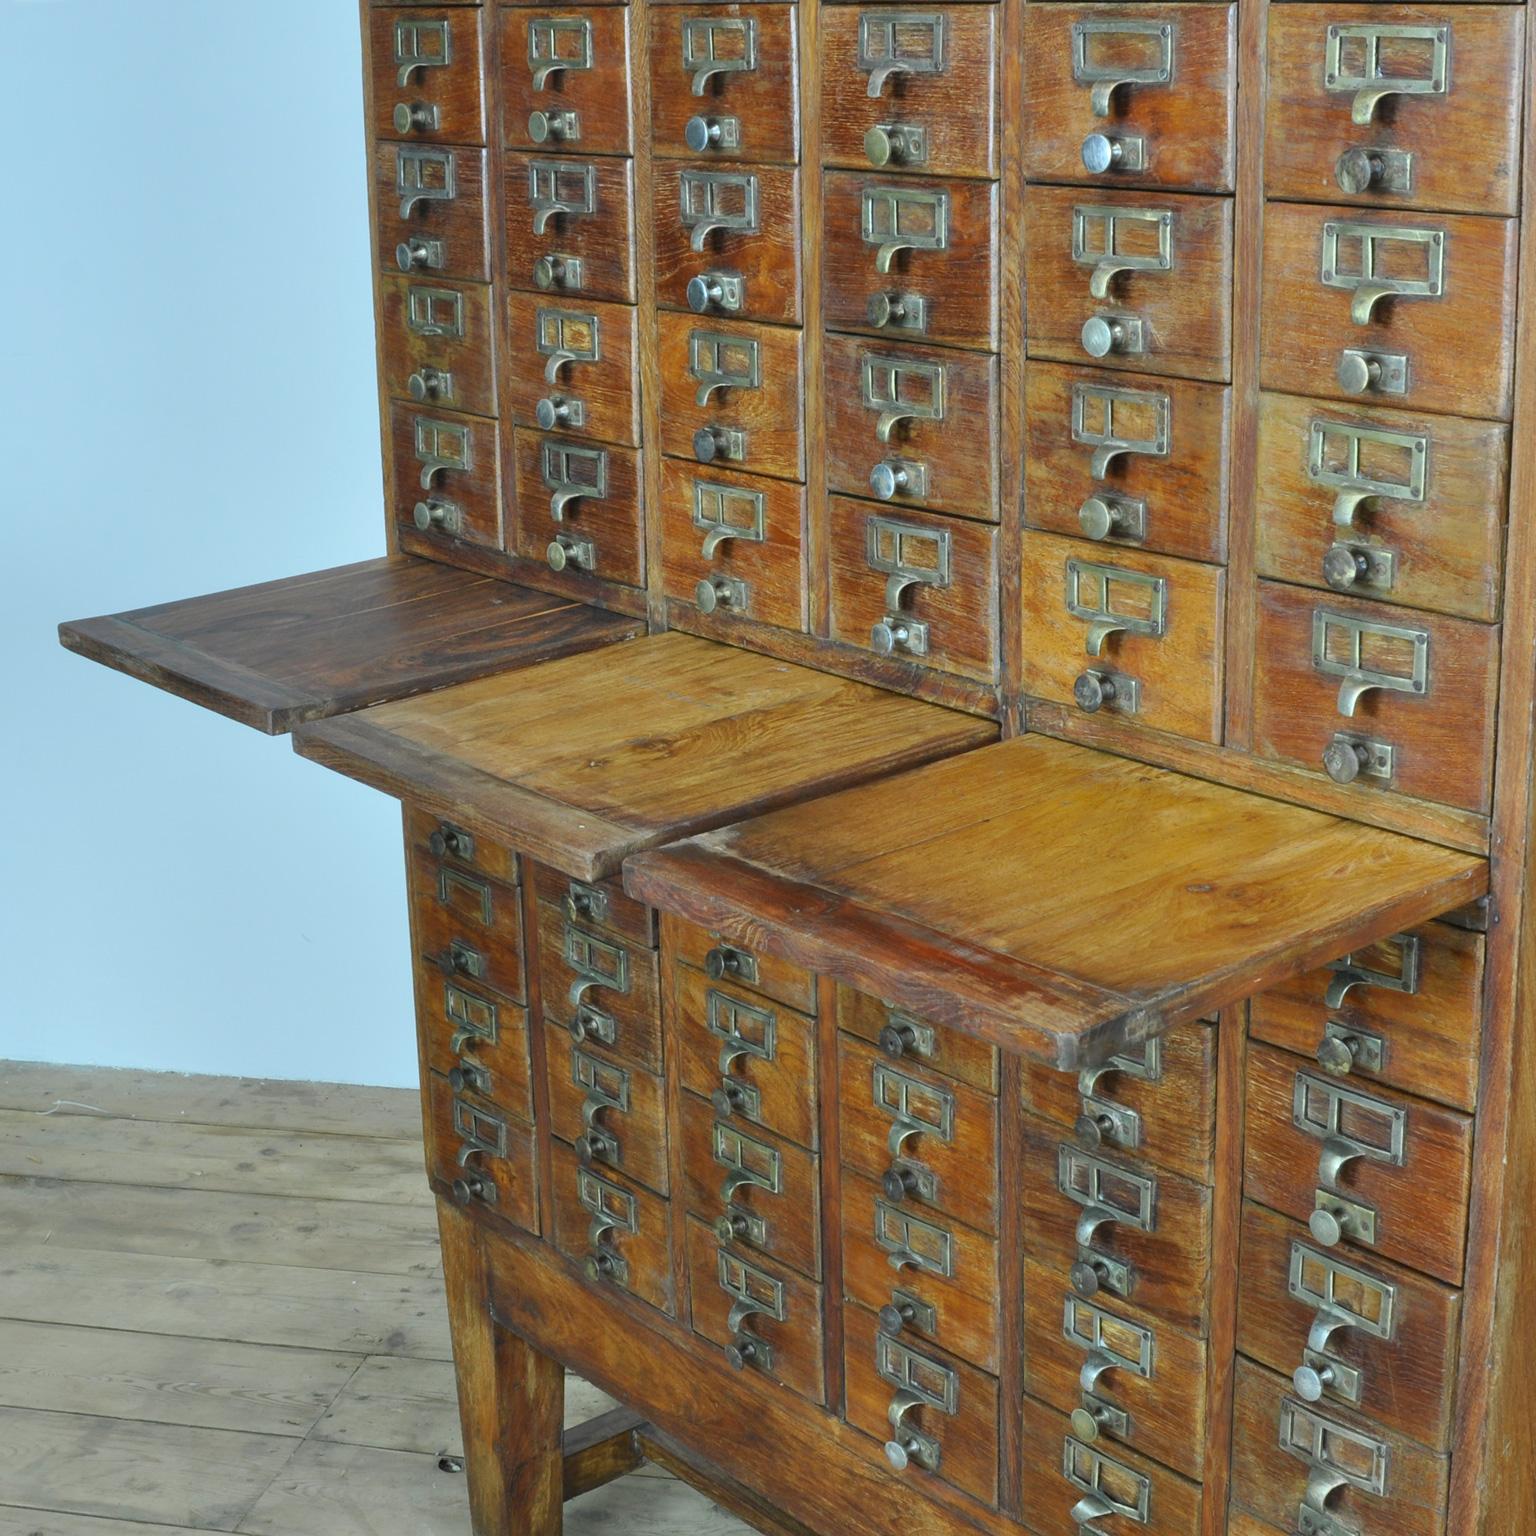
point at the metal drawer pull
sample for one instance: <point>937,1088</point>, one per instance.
<point>892,311</point>
<point>896,144</point>
<point>724,291</point>
<point>431,386</point>
<point>900,43</point>
<point>1119,335</point>
<point>424,176</point>
<point>1366,276</point>
<point>1104,152</point>
<point>1113,240</point>
<point>560,189</point>
<point>572,473</point>
<point>900,391</point>
<point>473,1018</point>
<point>1096,687</point>
<point>441,446</point>
<point>1381,373</point>
<point>1115,422</point>
<point>469,1077</point>
<point>435,513</point>
<point>723,202</point>
<point>707,133</point>
<point>718,45</point>
<point>612,1210</point>
<point>1093,594</point>
<point>1358,171</point>
<point>749,1163</point>
<point>919,1383</point>
<point>1109,1194</point>
<point>1106,515</point>
<point>723,513</point>
<point>754,1294</point>
<point>554,127</point>
<point>1104,79</point>
<point>450,880</point>
<point>588,903</point>
<point>606,1088</point>
<point>479,1129</point>
<point>712,593</point>
<point>909,1242</point>
<point>1108,1341</point>
<point>897,219</point>
<point>421,45</point>
<point>571,550</point>
<point>905,1310</point>
<point>1334,461</point>
<point>434,313</point>
<point>1378,1132</point>
<point>1336,1458</point>
<point>909,1446</point>
<point>554,271</point>
<point>1108,1487</point>
<point>1333,632</point>
<point>1352,65</point>
<point>558,45</point>
<point>418,253</point>
<point>1343,1048</point>
<point>907,556</point>
<point>1324,1283</point>
<point>902,1035</point>
<point>1145,1066</point>
<point>1101,1122</point>
<point>1350,972</point>
<point>916,1108</point>
<point>720,361</point>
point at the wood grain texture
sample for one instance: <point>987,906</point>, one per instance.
<point>689,944</point>
<point>456,226</point>
<point>955,1055</point>
<point>600,904</point>
<point>467,352</point>
<point>601,95</point>
<point>490,1159</point>
<point>464,486</point>
<point>604,380</point>
<point>455,87</point>
<point>602,240</point>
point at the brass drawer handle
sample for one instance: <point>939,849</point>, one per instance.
<point>1320,1109</point>
<point>719,361</point>
<point>1104,78</point>
<point>561,189</point>
<point>907,556</point>
<point>908,1445</point>
<point>900,43</point>
<point>1352,260</point>
<point>1103,1484</point>
<point>1349,973</point>
<point>442,447</point>
<point>900,219</point>
<point>748,1163</point>
<point>901,391</point>
<point>421,46</point>
<point>1343,1298</point>
<point>896,144</point>
<point>1112,241</point>
<point>1116,423</point>
<point>472,1018</point>
<point>723,514</point>
<point>424,176</point>
<point>554,127</point>
<point>555,272</point>
<point>1336,1458</point>
<point>558,45</point>
<point>718,45</point>
<point>915,1108</point>
<point>1352,65</point>
<point>1339,648</point>
<point>430,385</point>
<point>572,473</point>
<point>1095,594</point>
<point>754,1294</point>
<point>717,202</point>
<point>1109,1194</point>
<point>1334,462</point>
<point>729,960</point>
<point>566,336</point>
<point>919,1383</point>
<point>419,253</point>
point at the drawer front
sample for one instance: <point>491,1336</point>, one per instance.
<point>721,960</point>
<point>437,344</point>
<point>914,426</point>
<point>1402,508</point>
<point>754,1059</point>
<point>570,225</point>
<point>1370,1170</point>
<point>571,367</point>
<point>1379,305</point>
<point>753,1189</point>
<point>732,394</point>
<point>725,82</point>
<point>1407,1012</point>
<point>910,91</point>
<point>1116,1229</point>
<point>476,1040</point>
<point>929,1141</point>
<point>928,1279</point>
<point>1127,459</point>
<point>766,1318</point>
<point>733,545</point>
<point>1134,634</point>
<point>616,1229</point>
<point>1126,1379</point>
<point>612,1112</point>
<point>469,927</point>
<point>603,989</point>
<point>1375,696</point>
<point>435,837</point>
<point>429,211</point>
<point>910,257</point>
<point>565,80</point>
<point>426,67</point>
<point>936,1415</point>
<point>1361,1335</point>
<point>1411,106</point>
<point>595,490</point>
<point>1283,1448</point>
<point>1157,1101</point>
<point>728,241</point>
<point>1071,1484</point>
<point>941,573</point>
<point>446,474</point>
<point>902,1037</point>
<point>1134,96</point>
<point>488,1159</point>
<point>1139,280</point>
<point>596,904</point>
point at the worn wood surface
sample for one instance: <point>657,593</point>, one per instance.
<point>456,86</point>
<point>603,241</point>
<point>468,358</point>
<point>600,94</point>
<point>459,222</point>
<point>604,378</point>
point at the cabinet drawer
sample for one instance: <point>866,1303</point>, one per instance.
<point>905,1038</point>
<point>477,1038</point>
<point>1067,1481</point>
<point>753,1058</point>
<point>565,80</point>
<point>435,837</point>
<point>943,570</point>
<point>1407,1012</point>
<point>596,904</point>
<point>728,241</point>
<point>753,1188</point>
<point>1135,634</point>
<point>1116,1228</point>
<point>1126,1379</point>
<point>425,68</point>
<point>1383,1481</point>
<point>596,491</point>
<point>1127,459</point>
<point>929,1279</point>
<point>602,988</point>
<point>429,211</point>
<point>1139,280</point>
<point>445,472</point>
<point>915,426</point>
<point>1372,1171</point>
<point>725,82</point>
<point>1136,96</point>
<point>1425,724</point>
<point>1157,1101</point>
<point>910,91</point>
<point>910,257</point>
<point>1398,334</point>
<point>765,1317</point>
<point>488,1159</point>
<point>753,530</point>
<point>732,394</point>
<point>930,1141</point>
<point>436,344</point>
<point>571,367</point>
<point>1361,1335</point>
<point>570,225</point>
<point>949,1426</point>
<point>1339,126</point>
<point>467,926</point>
<point>721,960</point>
<point>1407,509</point>
<point>617,1229</point>
<point>612,1112</point>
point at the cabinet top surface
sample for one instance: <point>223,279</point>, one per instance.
<point>585,760</point>
<point>1055,899</point>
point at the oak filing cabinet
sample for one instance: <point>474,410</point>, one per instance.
<point>955,645</point>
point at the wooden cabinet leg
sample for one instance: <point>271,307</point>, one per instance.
<point>511,1401</point>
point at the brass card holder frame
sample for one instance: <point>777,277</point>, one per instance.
<point>901,390</point>
<point>559,189</point>
<point>1104,80</point>
<point>546,54</point>
<point>413,52</point>
<point>1366,82</point>
<point>572,472</point>
<point>1105,439</point>
<point>424,175</point>
<point>1368,286</point>
<point>717,202</point>
<point>441,447</point>
<point>1356,678</point>
<point>703,59</point>
<point>1097,230</point>
<point>713,503</point>
<point>1352,488</point>
<point>884,50</point>
<point>900,219</point>
<point>1101,615</point>
<point>719,360</point>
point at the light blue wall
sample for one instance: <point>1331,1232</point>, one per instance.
<point>188,404</point>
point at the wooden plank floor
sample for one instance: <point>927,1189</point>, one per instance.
<point>221,1309</point>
